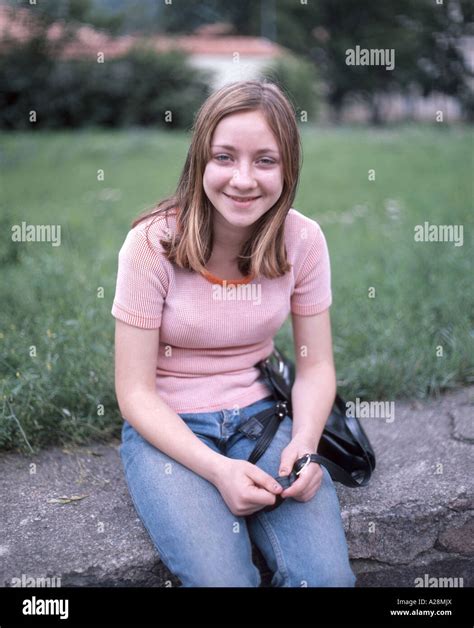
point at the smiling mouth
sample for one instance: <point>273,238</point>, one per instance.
<point>242,198</point>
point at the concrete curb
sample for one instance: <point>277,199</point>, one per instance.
<point>414,518</point>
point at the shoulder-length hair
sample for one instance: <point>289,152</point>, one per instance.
<point>190,246</point>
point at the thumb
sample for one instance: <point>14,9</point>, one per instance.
<point>264,480</point>
<point>288,458</point>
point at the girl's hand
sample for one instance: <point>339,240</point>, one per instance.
<point>246,488</point>
<point>310,478</point>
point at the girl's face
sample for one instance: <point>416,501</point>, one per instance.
<point>244,177</point>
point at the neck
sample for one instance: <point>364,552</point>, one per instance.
<point>229,239</point>
<point>225,249</point>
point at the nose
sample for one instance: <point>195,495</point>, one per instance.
<point>243,179</point>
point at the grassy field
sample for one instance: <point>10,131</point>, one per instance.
<point>56,330</point>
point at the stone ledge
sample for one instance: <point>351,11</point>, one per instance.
<point>415,517</point>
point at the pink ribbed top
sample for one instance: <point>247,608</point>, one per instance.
<point>212,335</point>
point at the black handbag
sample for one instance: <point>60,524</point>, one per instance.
<point>344,448</point>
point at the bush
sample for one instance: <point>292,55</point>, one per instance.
<point>136,89</point>
<point>298,78</point>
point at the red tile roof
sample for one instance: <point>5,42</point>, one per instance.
<point>88,41</point>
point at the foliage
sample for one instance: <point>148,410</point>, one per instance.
<point>297,77</point>
<point>137,89</point>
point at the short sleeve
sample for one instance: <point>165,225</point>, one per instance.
<point>142,283</point>
<point>312,291</point>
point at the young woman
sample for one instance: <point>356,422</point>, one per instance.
<point>205,281</point>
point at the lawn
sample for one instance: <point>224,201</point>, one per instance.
<point>402,312</point>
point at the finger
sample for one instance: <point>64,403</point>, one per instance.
<point>304,482</point>
<point>306,497</point>
<point>288,458</point>
<point>309,492</point>
<point>313,471</point>
<point>260,496</point>
<point>301,484</point>
<point>264,480</point>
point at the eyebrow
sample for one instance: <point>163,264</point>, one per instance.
<point>229,147</point>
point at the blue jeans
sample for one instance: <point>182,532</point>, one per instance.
<point>203,543</point>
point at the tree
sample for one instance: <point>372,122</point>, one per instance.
<point>424,35</point>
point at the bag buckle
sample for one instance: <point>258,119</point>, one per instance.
<point>302,463</point>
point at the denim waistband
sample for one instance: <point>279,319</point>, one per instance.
<point>223,424</point>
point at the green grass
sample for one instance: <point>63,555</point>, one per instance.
<point>385,347</point>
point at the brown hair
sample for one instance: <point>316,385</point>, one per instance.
<point>264,251</point>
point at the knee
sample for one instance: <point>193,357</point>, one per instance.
<point>343,577</point>
<point>249,577</point>
<point>319,577</point>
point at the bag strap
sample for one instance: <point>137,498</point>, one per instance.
<point>269,431</point>
<point>334,469</point>
<point>337,473</point>
<point>360,478</point>
<point>282,388</point>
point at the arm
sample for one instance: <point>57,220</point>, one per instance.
<point>244,487</point>
<point>314,389</point>
<point>312,397</point>
<point>140,404</point>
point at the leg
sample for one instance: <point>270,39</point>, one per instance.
<point>303,542</point>
<point>196,535</point>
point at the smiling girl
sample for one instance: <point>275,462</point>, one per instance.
<point>186,376</point>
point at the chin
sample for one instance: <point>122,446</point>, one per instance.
<point>240,221</point>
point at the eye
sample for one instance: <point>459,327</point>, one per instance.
<point>266,161</point>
